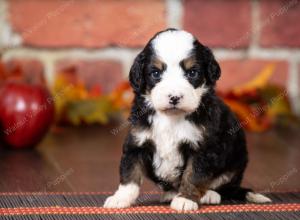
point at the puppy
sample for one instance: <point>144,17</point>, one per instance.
<point>179,136</point>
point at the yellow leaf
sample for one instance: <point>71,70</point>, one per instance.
<point>258,82</point>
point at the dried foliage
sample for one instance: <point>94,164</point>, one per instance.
<point>257,103</point>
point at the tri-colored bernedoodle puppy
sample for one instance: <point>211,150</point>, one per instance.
<point>179,135</point>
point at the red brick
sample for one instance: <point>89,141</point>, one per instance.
<point>280,23</point>
<point>93,23</point>
<point>31,70</point>
<point>219,23</point>
<point>237,72</point>
<point>106,73</point>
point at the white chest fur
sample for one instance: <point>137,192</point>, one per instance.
<point>167,133</point>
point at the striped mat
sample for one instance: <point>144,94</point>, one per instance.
<point>89,206</point>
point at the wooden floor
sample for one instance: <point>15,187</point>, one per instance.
<point>87,159</point>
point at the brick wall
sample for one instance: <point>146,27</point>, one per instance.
<point>101,37</point>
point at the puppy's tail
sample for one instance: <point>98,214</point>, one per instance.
<point>242,194</point>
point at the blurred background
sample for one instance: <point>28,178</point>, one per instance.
<point>64,95</point>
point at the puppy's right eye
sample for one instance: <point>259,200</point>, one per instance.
<point>156,74</point>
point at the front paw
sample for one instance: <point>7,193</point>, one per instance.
<point>124,197</point>
<point>116,201</point>
<point>182,204</point>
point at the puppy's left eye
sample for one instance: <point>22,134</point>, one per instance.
<point>192,74</point>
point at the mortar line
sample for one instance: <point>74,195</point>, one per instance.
<point>174,13</point>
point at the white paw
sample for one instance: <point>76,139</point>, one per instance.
<point>183,204</point>
<point>211,197</point>
<point>257,198</point>
<point>168,196</point>
<point>124,197</point>
<point>116,201</point>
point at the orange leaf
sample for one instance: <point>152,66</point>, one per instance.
<point>248,118</point>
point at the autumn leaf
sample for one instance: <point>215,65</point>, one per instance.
<point>122,96</point>
<point>260,81</point>
<point>89,111</point>
<point>257,103</point>
<point>247,116</point>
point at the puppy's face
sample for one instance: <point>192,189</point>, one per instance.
<point>173,72</point>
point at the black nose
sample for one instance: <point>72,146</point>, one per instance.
<point>174,100</point>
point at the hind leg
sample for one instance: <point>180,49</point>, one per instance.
<point>257,198</point>
<point>212,196</point>
<point>233,191</point>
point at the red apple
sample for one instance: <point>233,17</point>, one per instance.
<point>26,113</point>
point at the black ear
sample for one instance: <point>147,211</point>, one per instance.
<point>213,69</point>
<point>136,76</point>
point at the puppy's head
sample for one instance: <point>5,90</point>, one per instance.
<point>173,72</point>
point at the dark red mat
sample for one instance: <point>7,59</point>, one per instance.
<point>89,206</point>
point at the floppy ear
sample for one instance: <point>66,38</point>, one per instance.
<point>213,69</point>
<point>136,76</point>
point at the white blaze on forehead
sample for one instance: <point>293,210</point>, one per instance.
<point>173,46</point>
